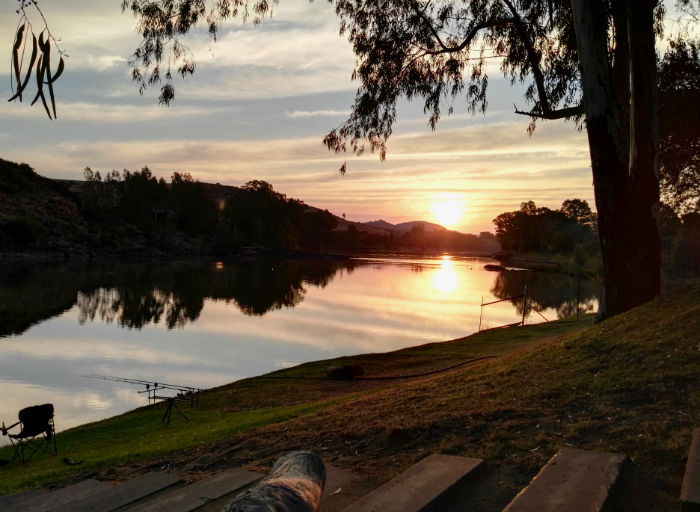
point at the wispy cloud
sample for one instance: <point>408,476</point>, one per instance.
<point>317,113</point>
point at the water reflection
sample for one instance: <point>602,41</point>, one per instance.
<point>445,279</point>
<point>204,324</point>
<point>171,294</point>
<point>546,290</point>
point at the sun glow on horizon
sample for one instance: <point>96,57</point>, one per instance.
<point>447,209</point>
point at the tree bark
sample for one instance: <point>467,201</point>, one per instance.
<point>623,160</point>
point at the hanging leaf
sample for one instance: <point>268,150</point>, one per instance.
<point>32,60</point>
<point>39,78</point>
<point>40,72</point>
<point>59,70</point>
<point>49,81</point>
<point>15,53</point>
<point>18,37</point>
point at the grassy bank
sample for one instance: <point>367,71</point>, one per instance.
<point>627,385</point>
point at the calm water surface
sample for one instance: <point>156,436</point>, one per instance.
<point>204,324</point>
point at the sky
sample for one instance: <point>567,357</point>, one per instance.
<point>259,104</point>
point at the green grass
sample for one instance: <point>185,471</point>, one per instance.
<point>137,435</point>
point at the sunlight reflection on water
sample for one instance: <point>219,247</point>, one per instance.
<point>445,278</point>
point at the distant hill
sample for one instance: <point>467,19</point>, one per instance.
<point>427,226</point>
<point>136,215</point>
<point>403,227</point>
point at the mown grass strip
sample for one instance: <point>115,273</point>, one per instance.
<point>137,435</point>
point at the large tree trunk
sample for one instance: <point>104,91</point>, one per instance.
<point>623,155</point>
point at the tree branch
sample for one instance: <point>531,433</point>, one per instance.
<point>561,113</point>
<point>467,40</point>
<point>533,57</point>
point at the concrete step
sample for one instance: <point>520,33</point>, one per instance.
<point>186,499</point>
<point>118,496</point>
<point>690,489</point>
<point>421,487</point>
<point>340,489</point>
<point>55,500</point>
<point>13,500</point>
<point>572,480</point>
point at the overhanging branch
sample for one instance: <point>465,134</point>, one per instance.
<point>561,113</point>
<point>471,34</point>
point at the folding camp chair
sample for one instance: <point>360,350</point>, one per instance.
<point>36,433</point>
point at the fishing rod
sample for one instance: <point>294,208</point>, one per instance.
<point>184,393</point>
<point>147,383</point>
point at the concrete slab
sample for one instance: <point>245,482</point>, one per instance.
<point>336,478</point>
<point>199,493</point>
<point>690,489</point>
<point>54,500</point>
<point>419,488</point>
<point>12,500</point>
<point>121,495</point>
<point>340,489</point>
<point>572,480</point>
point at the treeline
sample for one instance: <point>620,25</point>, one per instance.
<point>417,239</point>
<point>188,215</point>
<point>572,231</point>
<point>182,215</point>
<point>538,229</point>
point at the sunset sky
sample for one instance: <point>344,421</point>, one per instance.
<point>257,107</point>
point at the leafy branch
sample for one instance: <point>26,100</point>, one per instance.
<point>162,23</point>
<point>39,60</point>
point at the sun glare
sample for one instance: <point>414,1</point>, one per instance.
<point>445,279</point>
<point>447,210</point>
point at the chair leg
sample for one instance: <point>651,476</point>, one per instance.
<point>19,451</point>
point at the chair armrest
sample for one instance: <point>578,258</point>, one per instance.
<point>5,429</point>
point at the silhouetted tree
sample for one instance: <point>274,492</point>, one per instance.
<point>541,229</point>
<point>578,211</point>
<point>194,211</point>
<point>679,111</point>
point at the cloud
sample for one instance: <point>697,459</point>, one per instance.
<point>316,113</point>
<point>493,167</point>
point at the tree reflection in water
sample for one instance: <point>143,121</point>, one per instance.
<point>135,295</point>
<point>178,295</point>
<point>546,290</point>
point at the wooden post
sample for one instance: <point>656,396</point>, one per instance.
<point>295,484</point>
<point>481,312</point>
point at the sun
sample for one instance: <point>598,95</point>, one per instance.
<point>447,210</point>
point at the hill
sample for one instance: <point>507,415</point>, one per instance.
<point>37,214</point>
<point>403,227</point>
<point>135,215</point>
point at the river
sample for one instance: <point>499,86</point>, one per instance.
<point>204,324</point>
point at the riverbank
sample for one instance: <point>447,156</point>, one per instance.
<point>627,385</point>
<point>590,267</point>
